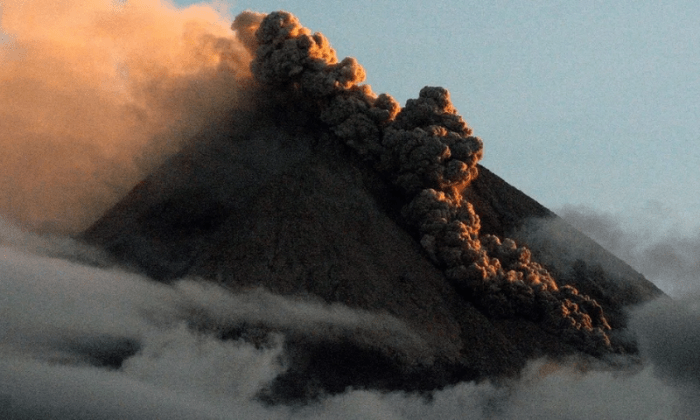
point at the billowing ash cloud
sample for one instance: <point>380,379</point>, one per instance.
<point>428,152</point>
<point>96,93</point>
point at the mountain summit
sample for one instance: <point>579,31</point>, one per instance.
<point>324,191</point>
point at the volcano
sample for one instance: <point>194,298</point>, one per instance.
<point>322,191</point>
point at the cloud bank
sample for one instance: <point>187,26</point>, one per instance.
<point>655,245</point>
<point>59,317</point>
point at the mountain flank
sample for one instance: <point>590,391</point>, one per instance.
<point>322,190</point>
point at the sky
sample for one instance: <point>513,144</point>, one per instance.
<point>584,104</point>
<point>578,103</point>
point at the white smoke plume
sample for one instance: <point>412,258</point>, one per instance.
<point>664,251</point>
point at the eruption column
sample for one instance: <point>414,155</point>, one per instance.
<point>427,151</point>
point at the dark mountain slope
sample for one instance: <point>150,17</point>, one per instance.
<point>265,208</point>
<point>322,190</point>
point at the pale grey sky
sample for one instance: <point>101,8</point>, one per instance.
<point>589,102</point>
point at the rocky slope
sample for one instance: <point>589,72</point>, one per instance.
<point>323,190</point>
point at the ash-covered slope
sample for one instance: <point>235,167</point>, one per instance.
<point>324,190</point>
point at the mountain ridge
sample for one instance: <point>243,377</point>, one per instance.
<point>324,190</point>
<point>194,235</point>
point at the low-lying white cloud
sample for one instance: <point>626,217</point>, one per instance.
<point>656,244</point>
<point>53,309</point>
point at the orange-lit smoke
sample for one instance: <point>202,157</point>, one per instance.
<point>428,152</point>
<point>94,93</point>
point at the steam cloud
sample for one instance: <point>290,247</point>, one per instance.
<point>87,112</point>
<point>428,152</point>
<point>662,252</point>
<point>96,93</point>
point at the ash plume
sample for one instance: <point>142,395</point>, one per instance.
<point>428,153</point>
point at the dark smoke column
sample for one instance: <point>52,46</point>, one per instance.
<point>427,151</point>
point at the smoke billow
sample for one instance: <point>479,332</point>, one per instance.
<point>428,152</point>
<point>663,251</point>
<point>97,93</point>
